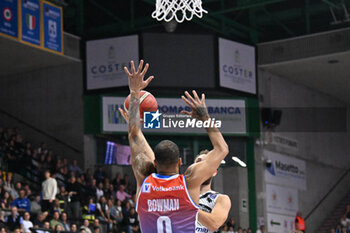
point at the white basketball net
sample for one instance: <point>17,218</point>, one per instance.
<point>179,9</point>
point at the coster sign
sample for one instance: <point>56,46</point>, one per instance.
<point>106,58</point>
<point>237,66</point>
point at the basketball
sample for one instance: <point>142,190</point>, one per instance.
<point>147,103</point>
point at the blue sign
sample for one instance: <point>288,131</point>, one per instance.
<point>30,21</point>
<point>9,17</point>
<point>52,16</point>
<point>151,120</point>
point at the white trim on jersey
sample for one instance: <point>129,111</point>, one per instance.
<point>188,194</point>
<point>163,177</point>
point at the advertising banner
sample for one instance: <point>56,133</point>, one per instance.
<point>52,27</point>
<point>30,22</point>
<point>227,114</point>
<point>9,18</point>
<point>281,200</point>
<point>285,170</point>
<point>280,223</point>
<point>105,60</point>
<point>237,66</point>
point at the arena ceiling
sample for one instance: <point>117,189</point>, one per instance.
<point>250,21</point>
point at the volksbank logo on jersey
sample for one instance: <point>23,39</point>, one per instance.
<point>155,120</point>
<point>146,188</point>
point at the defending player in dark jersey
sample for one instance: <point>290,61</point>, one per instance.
<point>167,194</point>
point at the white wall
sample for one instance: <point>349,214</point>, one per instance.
<point>327,154</point>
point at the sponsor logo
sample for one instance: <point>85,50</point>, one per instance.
<point>271,169</point>
<point>30,5</point>
<point>201,229</point>
<point>30,21</point>
<point>7,13</point>
<point>146,188</point>
<point>151,120</point>
<point>168,189</point>
<point>52,26</point>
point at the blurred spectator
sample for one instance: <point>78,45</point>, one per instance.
<point>338,228</point>
<point>64,222</point>
<point>74,190</point>
<point>27,223</point>
<point>109,191</point>
<point>121,194</point>
<point>99,191</point>
<point>99,175</point>
<point>230,230</point>
<point>35,207</point>
<point>85,226</point>
<point>55,221</point>
<point>127,185</point>
<point>332,230</point>
<point>96,226</point>
<point>6,203</point>
<point>132,222</point>
<point>14,220</point>
<point>344,221</point>
<point>49,191</point>
<point>74,228</point>
<point>57,206</point>
<point>117,180</point>
<point>40,220</point>
<point>92,188</point>
<point>102,209</point>
<point>22,203</point>
<point>89,210</point>
<point>261,229</point>
<point>63,198</point>
<point>75,168</point>
<point>299,222</point>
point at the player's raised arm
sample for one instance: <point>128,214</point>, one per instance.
<point>199,172</point>
<point>218,215</point>
<point>142,156</point>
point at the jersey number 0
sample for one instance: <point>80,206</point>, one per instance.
<point>164,224</point>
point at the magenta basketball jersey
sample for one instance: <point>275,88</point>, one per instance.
<point>165,206</point>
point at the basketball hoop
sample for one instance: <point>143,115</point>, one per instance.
<point>178,9</point>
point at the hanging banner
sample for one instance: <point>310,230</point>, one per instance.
<point>52,27</point>
<point>30,22</point>
<point>237,66</point>
<point>9,18</point>
<point>281,200</point>
<point>105,61</point>
<point>228,115</point>
<point>285,171</point>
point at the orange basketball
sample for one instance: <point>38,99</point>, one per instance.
<point>147,103</point>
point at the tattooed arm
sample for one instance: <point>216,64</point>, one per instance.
<point>142,156</point>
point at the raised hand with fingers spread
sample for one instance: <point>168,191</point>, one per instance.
<point>136,78</point>
<point>199,109</point>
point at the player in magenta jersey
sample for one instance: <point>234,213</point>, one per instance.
<point>164,200</point>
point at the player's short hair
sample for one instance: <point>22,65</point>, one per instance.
<point>202,152</point>
<point>166,153</point>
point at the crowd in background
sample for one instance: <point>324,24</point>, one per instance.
<point>344,223</point>
<point>68,199</point>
